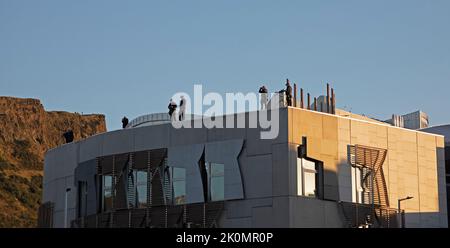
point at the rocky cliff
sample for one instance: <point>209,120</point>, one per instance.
<point>26,132</point>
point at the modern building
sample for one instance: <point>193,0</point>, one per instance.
<point>415,120</point>
<point>322,170</point>
<point>444,130</point>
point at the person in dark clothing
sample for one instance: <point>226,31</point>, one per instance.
<point>182,108</point>
<point>288,93</point>
<point>124,122</point>
<point>68,136</point>
<point>263,91</point>
<point>172,108</point>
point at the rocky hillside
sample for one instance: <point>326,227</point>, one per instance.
<point>26,132</point>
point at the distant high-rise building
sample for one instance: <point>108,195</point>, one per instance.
<point>415,120</point>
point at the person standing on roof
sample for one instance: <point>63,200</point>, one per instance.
<point>182,108</point>
<point>288,93</point>
<point>172,109</point>
<point>68,136</point>
<point>263,92</point>
<point>124,122</point>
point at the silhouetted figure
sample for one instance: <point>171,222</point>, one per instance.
<point>68,136</point>
<point>288,93</point>
<point>263,91</point>
<point>182,108</point>
<point>124,122</point>
<point>172,108</point>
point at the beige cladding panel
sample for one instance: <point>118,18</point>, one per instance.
<point>322,142</point>
<point>410,167</point>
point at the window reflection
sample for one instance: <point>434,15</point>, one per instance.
<point>141,188</point>
<point>216,182</point>
<point>107,192</point>
<point>179,185</point>
<point>137,189</point>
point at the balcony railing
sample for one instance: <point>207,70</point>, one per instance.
<point>358,215</point>
<point>197,215</point>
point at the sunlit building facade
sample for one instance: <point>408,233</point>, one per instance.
<point>323,170</point>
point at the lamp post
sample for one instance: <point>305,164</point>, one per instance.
<point>65,207</point>
<point>400,210</point>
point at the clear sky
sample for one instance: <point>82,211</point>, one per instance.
<point>128,57</point>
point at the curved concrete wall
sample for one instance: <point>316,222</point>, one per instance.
<point>185,146</point>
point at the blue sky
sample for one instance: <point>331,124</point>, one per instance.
<point>128,57</point>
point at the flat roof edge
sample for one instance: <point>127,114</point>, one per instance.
<point>370,122</point>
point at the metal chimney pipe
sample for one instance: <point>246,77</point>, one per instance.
<point>321,106</point>
<point>315,104</point>
<point>309,102</point>
<point>328,98</point>
<point>301,98</point>
<point>333,102</point>
<point>295,95</point>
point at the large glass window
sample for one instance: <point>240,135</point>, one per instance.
<point>178,185</point>
<point>309,177</point>
<point>107,192</point>
<point>137,189</point>
<point>216,182</point>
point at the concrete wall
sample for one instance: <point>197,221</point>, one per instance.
<point>59,169</point>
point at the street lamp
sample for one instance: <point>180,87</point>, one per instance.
<point>400,210</point>
<point>65,207</point>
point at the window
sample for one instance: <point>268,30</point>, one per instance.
<point>141,188</point>
<point>82,198</point>
<point>309,178</point>
<point>306,169</point>
<point>107,192</point>
<point>178,185</point>
<point>361,184</point>
<point>357,190</point>
<point>137,189</point>
<point>309,173</point>
<point>216,182</point>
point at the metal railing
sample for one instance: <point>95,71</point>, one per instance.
<point>197,215</point>
<point>358,215</point>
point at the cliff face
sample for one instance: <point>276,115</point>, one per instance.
<point>27,131</point>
